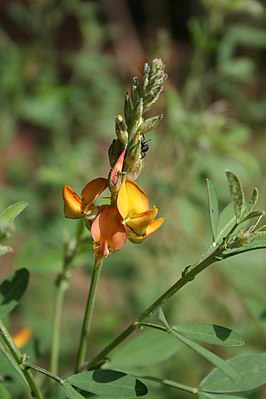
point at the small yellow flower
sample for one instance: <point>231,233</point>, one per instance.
<point>133,206</point>
<point>76,207</point>
<point>22,337</point>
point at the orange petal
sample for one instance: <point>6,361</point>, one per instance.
<point>72,203</point>
<point>117,167</point>
<point>22,337</point>
<point>93,189</point>
<point>131,199</point>
<point>153,226</point>
<point>139,222</point>
<point>108,227</point>
<point>100,252</point>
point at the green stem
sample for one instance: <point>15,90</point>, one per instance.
<point>62,286</point>
<point>170,383</point>
<point>188,275</point>
<point>35,391</point>
<point>44,371</point>
<point>82,352</point>
<point>56,324</point>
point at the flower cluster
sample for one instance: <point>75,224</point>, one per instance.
<point>111,224</point>
<point>127,214</point>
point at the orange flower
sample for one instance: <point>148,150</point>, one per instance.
<point>133,206</point>
<point>76,207</point>
<point>108,232</point>
<point>22,337</point>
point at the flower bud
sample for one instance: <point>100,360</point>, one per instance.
<point>114,151</point>
<point>121,130</point>
<point>149,124</point>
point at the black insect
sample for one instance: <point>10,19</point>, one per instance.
<point>144,146</point>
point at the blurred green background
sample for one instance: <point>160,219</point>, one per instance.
<point>64,69</point>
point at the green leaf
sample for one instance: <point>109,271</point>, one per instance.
<point>108,382</point>
<point>204,395</point>
<point>213,207</point>
<point>251,203</point>
<point>254,214</point>
<point>237,193</point>
<point>12,289</point>
<point>211,357</point>
<point>251,367</point>
<point>256,243</point>
<point>4,394</point>
<point>226,222</point>
<point>150,347</point>
<point>10,358</point>
<point>10,213</point>
<point>162,318</point>
<point>71,392</point>
<point>209,333</point>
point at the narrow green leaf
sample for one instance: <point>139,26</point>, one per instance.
<point>209,333</point>
<point>71,392</point>
<point>150,347</point>
<point>12,289</point>
<point>213,207</point>
<point>237,193</point>
<point>108,382</point>
<point>162,318</point>
<point>253,214</point>
<point>251,367</point>
<point>211,357</point>
<point>251,203</point>
<point>10,358</point>
<point>4,394</point>
<point>256,243</point>
<point>226,222</point>
<point>10,213</point>
<point>204,395</point>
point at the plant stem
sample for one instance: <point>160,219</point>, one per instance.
<point>82,352</point>
<point>35,391</point>
<point>188,275</point>
<point>62,286</point>
<point>45,372</point>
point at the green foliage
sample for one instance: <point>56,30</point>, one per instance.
<point>61,100</point>
<point>4,394</point>
<point>108,382</point>
<point>209,333</point>
<point>148,348</point>
<point>12,289</point>
<point>251,368</point>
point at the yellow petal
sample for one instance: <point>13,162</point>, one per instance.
<point>22,337</point>
<point>131,199</point>
<point>72,203</point>
<point>139,222</point>
<point>93,189</point>
<point>153,226</point>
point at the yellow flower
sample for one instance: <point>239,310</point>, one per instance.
<point>22,337</point>
<point>76,207</point>
<point>133,206</point>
